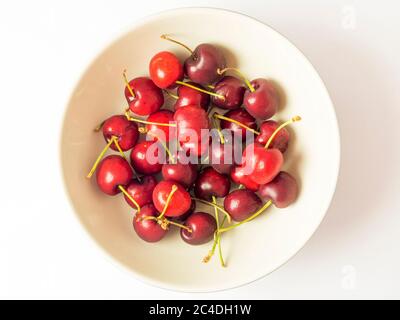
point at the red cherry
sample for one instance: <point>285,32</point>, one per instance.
<point>224,156</point>
<point>241,116</point>
<point>202,226</point>
<point>187,214</point>
<point>147,99</point>
<point>180,202</point>
<point>241,204</point>
<point>191,97</point>
<point>211,183</point>
<point>156,131</point>
<point>238,176</point>
<point>140,158</point>
<point>280,141</point>
<point>112,172</point>
<point>283,190</point>
<point>148,229</point>
<point>126,131</point>
<point>232,89</point>
<point>185,174</point>
<point>190,121</point>
<point>263,164</point>
<point>165,69</point>
<point>141,191</point>
<point>262,103</point>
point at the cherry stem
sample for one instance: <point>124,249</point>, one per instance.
<point>101,155</point>
<point>221,258</point>
<point>127,84</point>
<point>218,127</point>
<point>123,190</point>
<point>166,37</point>
<point>179,225</point>
<point>215,206</point>
<point>253,216</point>
<point>169,198</point>
<point>99,127</point>
<point>246,81</point>
<point>148,122</point>
<point>171,94</point>
<point>294,119</point>
<point>200,89</point>
<point>221,117</point>
<point>164,223</point>
<point>164,145</point>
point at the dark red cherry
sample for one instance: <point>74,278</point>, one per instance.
<point>165,69</point>
<point>232,89</point>
<point>112,172</point>
<point>241,116</point>
<point>191,97</point>
<point>263,102</point>
<point>203,227</point>
<point>148,229</point>
<point>148,97</point>
<point>211,183</point>
<point>141,191</point>
<point>126,131</point>
<point>264,164</point>
<point>180,202</point>
<point>145,161</point>
<point>185,174</point>
<point>241,204</point>
<point>155,131</point>
<point>192,129</point>
<point>184,216</point>
<point>281,139</point>
<point>239,177</point>
<point>224,156</point>
<point>282,190</point>
<point>203,65</point>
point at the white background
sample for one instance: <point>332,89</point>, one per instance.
<point>46,45</point>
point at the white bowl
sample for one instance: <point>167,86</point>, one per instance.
<point>254,249</point>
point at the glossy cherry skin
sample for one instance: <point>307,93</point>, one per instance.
<point>148,97</point>
<point>232,89</point>
<point>185,174</point>
<point>241,204</point>
<point>165,69</point>
<point>191,97</point>
<point>239,177</point>
<point>141,191</point>
<point>211,183</point>
<point>222,156</point>
<point>148,230</point>
<point>263,102</point>
<point>180,202</point>
<point>190,121</point>
<point>165,133</point>
<point>264,164</point>
<point>203,227</point>
<point>241,116</point>
<point>126,131</point>
<point>113,171</point>
<point>203,65</point>
<point>183,217</point>
<point>281,139</point>
<point>140,158</point>
<point>283,190</point>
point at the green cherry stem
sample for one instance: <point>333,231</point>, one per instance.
<point>221,258</point>
<point>114,140</point>
<point>218,127</point>
<point>169,198</point>
<point>164,145</point>
<point>215,206</point>
<point>171,94</point>
<point>201,90</point>
<point>99,127</point>
<point>253,216</point>
<point>294,119</point>
<point>123,190</point>
<point>166,37</point>
<point>148,122</point>
<point>221,117</point>
<point>127,84</point>
<point>221,72</point>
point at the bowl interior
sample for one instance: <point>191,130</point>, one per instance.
<point>252,250</point>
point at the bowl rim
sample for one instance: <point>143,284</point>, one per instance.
<point>93,58</point>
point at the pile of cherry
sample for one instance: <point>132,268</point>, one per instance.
<point>171,201</point>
